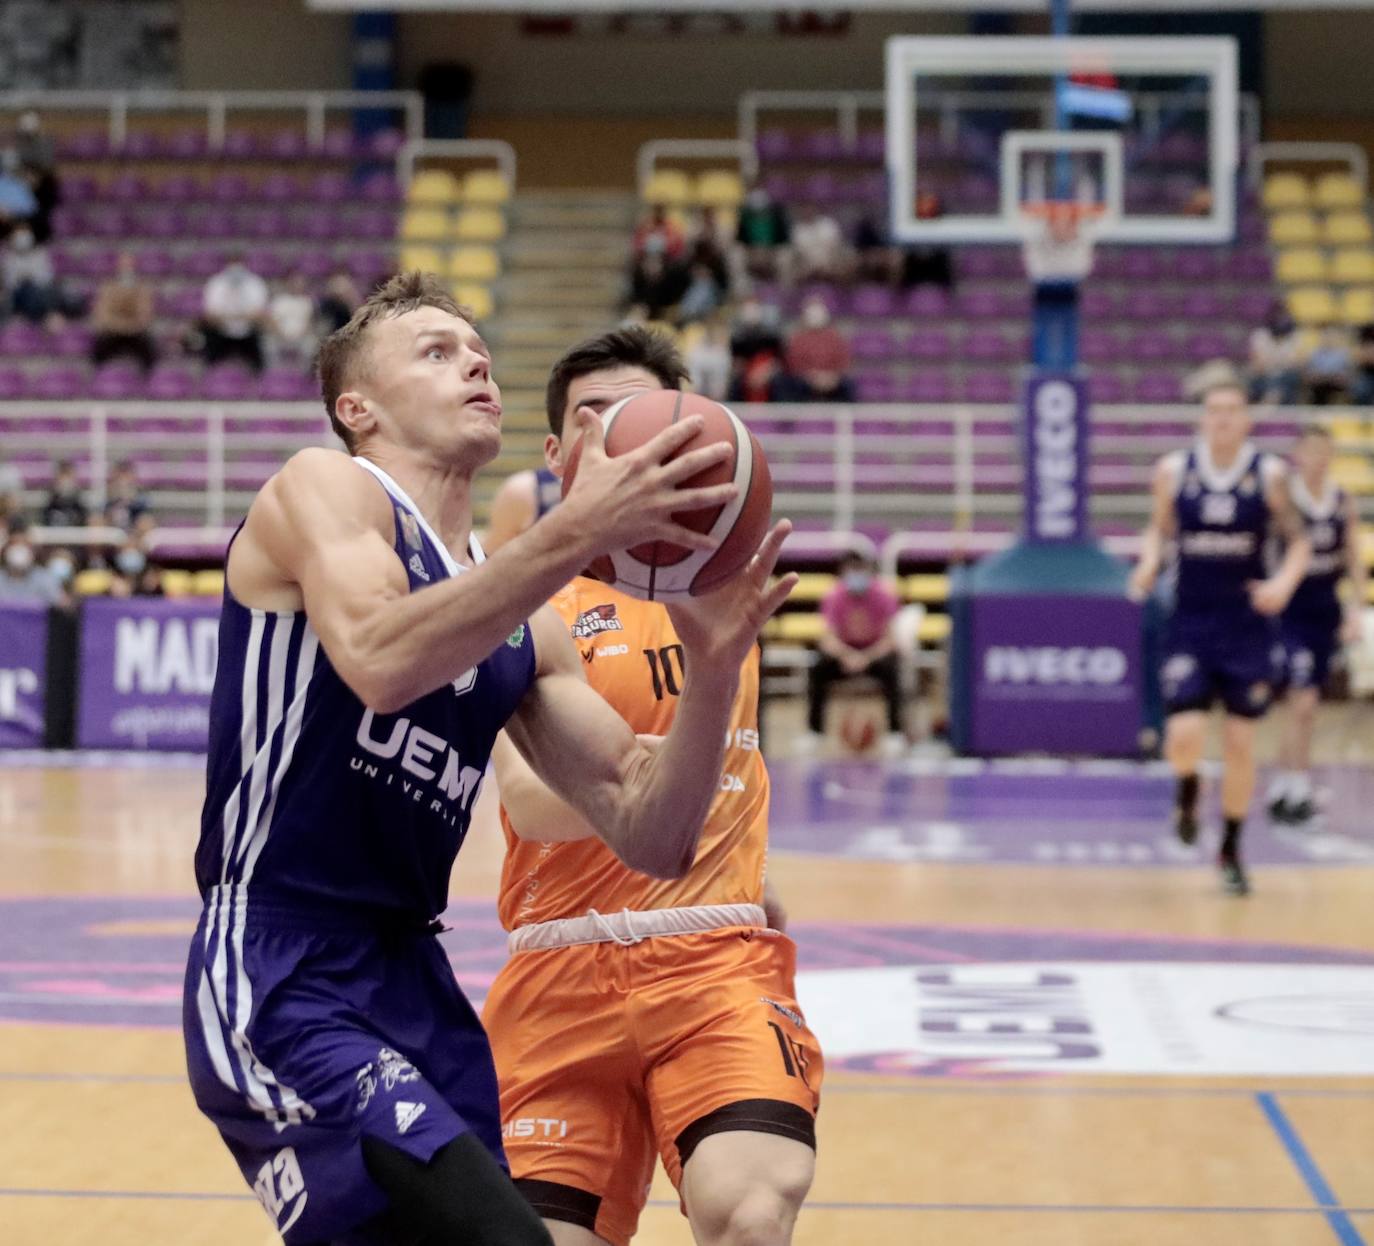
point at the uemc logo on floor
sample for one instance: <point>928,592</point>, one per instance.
<point>1056,459</point>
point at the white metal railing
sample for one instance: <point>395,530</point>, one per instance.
<point>842,469</point>
<point>416,149</point>
<point>1352,155</point>
<point>694,149</point>
<point>314,107</point>
<point>847,105</point>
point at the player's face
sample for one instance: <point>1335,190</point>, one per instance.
<point>429,386</point>
<point>1313,457</point>
<point>1225,420</point>
<point>599,391</point>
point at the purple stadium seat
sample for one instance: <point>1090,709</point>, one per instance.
<point>179,188</point>
<point>871,188</point>
<point>1141,264</point>
<point>379,187</point>
<point>322,224</point>
<point>286,385</point>
<point>266,223</point>
<point>1099,346</point>
<point>926,386</point>
<point>186,303</point>
<point>65,263</point>
<point>1106,387</point>
<point>384,144</point>
<point>1251,264</point>
<point>369,266</point>
<point>85,145</point>
<point>1109,262</point>
<point>1153,305</point>
<point>987,387</point>
<point>22,339</point>
<point>187,143</point>
<point>928,344</point>
<point>1251,228</point>
<point>988,346</point>
<point>168,383</point>
<point>1208,344</point>
<point>126,188</point>
<point>373,223</point>
<point>1252,306</point>
<point>774,146</point>
<point>80,188</point>
<point>162,221</point>
<point>779,186</point>
<point>71,340</point>
<point>928,301</point>
<point>267,262</point>
<point>1152,345</point>
<point>69,220</point>
<point>821,188</point>
<point>338,144</point>
<point>316,264</point>
<point>227,383</point>
<point>201,263</point>
<point>875,387</point>
<point>215,223</point>
<point>155,262</point>
<point>979,262</point>
<point>59,384</point>
<point>279,187</point>
<point>229,187</point>
<point>106,221</point>
<point>140,145</point>
<point>287,144</point>
<point>239,145</point>
<point>331,187</point>
<point>872,345</point>
<point>873,301</point>
<point>871,147</point>
<point>821,145</point>
<point>116,381</point>
<point>1158,387</point>
<point>979,304</point>
<point>13,383</point>
<point>1195,264</point>
<point>1202,303</point>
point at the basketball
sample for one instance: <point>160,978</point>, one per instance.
<point>858,729</point>
<point>660,570</point>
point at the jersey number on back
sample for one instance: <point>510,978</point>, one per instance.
<point>661,670</point>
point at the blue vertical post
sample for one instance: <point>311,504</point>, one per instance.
<point>374,66</point>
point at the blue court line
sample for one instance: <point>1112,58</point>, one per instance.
<point>1054,1208</point>
<point>1337,1216</point>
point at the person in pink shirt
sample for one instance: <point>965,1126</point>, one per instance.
<point>857,640</point>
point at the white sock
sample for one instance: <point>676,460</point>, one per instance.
<point>1299,786</point>
<point>1278,787</point>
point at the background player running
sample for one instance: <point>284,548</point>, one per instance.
<point>1220,499</point>
<point>1314,625</point>
<point>368,658</point>
<point>638,1017</point>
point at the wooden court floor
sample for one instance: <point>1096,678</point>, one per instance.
<point>891,874</point>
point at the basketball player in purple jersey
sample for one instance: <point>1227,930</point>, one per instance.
<point>1315,625</point>
<point>1219,501</point>
<point>522,499</point>
<point>368,658</point>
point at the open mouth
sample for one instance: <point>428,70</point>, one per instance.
<point>485,402</point>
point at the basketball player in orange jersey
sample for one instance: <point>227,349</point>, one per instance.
<point>637,1017</point>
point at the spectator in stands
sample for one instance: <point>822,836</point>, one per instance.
<point>235,305</point>
<point>98,555</point>
<point>30,284</point>
<point>291,336</point>
<point>876,259</point>
<point>708,360</point>
<point>1276,358</point>
<point>65,506</point>
<point>21,576</point>
<point>1362,384</point>
<point>658,232</point>
<point>33,145</point>
<point>17,202</point>
<point>340,299</point>
<point>60,564</point>
<point>818,247</point>
<point>763,230</point>
<point>126,501</point>
<point>756,351</point>
<point>818,357</point>
<point>134,575</point>
<point>11,490</point>
<point>122,317</point>
<point>1328,368</point>
<point>857,638</point>
<point>927,265</point>
<point>701,298</point>
<point>654,285</point>
<point>710,247</point>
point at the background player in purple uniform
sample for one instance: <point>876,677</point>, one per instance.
<point>1314,625</point>
<point>523,498</point>
<point>1219,500</point>
<point>368,657</point>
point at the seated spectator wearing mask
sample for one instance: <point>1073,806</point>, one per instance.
<point>291,321</point>
<point>1276,358</point>
<point>30,283</point>
<point>235,305</point>
<point>65,506</point>
<point>21,577</point>
<point>123,317</point>
<point>1329,367</point>
<point>339,300</point>
<point>60,564</point>
<point>762,232</point>
<point>818,248</point>
<point>857,639</point>
<point>126,501</point>
<point>756,351</point>
<point>1362,388</point>
<point>134,575</point>
<point>818,357</point>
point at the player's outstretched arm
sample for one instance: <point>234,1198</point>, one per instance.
<point>647,804</point>
<point>320,537</point>
<point>1157,531</point>
<point>1271,595</point>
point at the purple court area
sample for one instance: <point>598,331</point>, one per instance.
<point>1028,813</point>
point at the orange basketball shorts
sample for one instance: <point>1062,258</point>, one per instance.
<point>608,1054</point>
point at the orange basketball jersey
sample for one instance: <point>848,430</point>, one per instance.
<point>633,658</point>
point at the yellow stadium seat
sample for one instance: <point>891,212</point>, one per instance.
<point>1288,229</point>
<point>1353,266</point>
<point>94,582</point>
<point>1357,306</point>
<point>474,264</point>
<point>720,188</point>
<point>476,298</point>
<point>433,187</point>
<point>1337,190</point>
<point>486,186</point>
<point>1286,190</point>
<point>1345,228</point>
<point>426,259</point>
<point>426,225</point>
<point>208,583</point>
<point>480,225</point>
<point>1353,472</point>
<point>668,186</point>
<point>1345,427</point>
<point>811,587</point>
<point>1312,305</point>
<point>1300,265</point>
<point>796,628</point>
<point>934,629</point>
<point>176,582</point>
<point>929,590</point>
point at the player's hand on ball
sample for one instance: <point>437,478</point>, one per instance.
<point>719,628</point>
<point>631,498</point>
<point>1267,597</point>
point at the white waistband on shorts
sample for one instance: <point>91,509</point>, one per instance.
<point>630,926</point>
